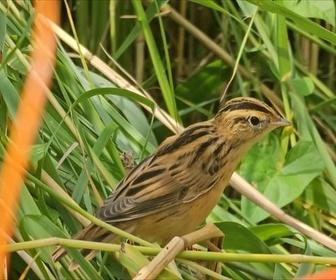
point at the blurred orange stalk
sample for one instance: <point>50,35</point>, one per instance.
<point>328,274</point>
<point>28,118</point>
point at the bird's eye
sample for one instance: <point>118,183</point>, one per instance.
<point>254,120</point>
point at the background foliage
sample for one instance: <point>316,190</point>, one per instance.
<point>183,55</point>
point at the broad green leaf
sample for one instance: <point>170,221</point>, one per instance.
<point>304,85</point>
<point>308,131</point>
<point>303,158</point>
<point>321,195</point>
<point>261,170</point>
<point>240,238</point>
<point>302,166</point>
<point>273,234</point>
<point>236,233</point>
<point>248,9</point>
<point>322,9</point>
<point>269,232</point>
<point>302,22</point>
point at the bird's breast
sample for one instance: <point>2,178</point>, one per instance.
<point>179,220</point>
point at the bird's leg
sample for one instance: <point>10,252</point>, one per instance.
<point>215,245</point>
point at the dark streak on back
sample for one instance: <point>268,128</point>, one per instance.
<point>188,136</point>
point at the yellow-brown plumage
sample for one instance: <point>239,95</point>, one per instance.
<point>171,192</point>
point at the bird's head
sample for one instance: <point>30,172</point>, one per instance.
<point>246,120</point>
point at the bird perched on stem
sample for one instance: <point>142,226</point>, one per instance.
<point>171,192</point>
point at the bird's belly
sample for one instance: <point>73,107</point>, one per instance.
<point>178,220</point>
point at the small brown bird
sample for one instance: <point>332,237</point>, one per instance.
<point>171,192</point>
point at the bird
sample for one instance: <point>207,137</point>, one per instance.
<point>171,192</point>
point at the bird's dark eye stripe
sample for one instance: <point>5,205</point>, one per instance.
<point>247,105</point>
<point>238,120</point>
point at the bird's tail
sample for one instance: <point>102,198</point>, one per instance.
<point>90,233</point>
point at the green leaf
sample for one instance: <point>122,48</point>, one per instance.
<point>38,152</point>
<point>321,195</point>
<point>260,171</point>
<point>81,184</point>
<point>165,85</point>
<point>9,93</point>
<point>304,85</point>
<point>272,231</point>
<point>132,259</point>
<point>308,131</point>
<point>302,22</point>
<point>302,166</point>
<point>322,9</point>
<point>3,20</point>
<point>305,268</point>
<point>27,204</point>
<point>282,45</point>
<point>303,158</point>
<point>248,9</point>
<point>38,227</point>
<point>238,237</point>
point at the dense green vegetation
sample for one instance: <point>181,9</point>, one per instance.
<point>143,68</point>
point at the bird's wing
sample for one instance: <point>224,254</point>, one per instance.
<point>156,184</point>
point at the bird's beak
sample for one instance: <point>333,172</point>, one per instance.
<point>281,122</point>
